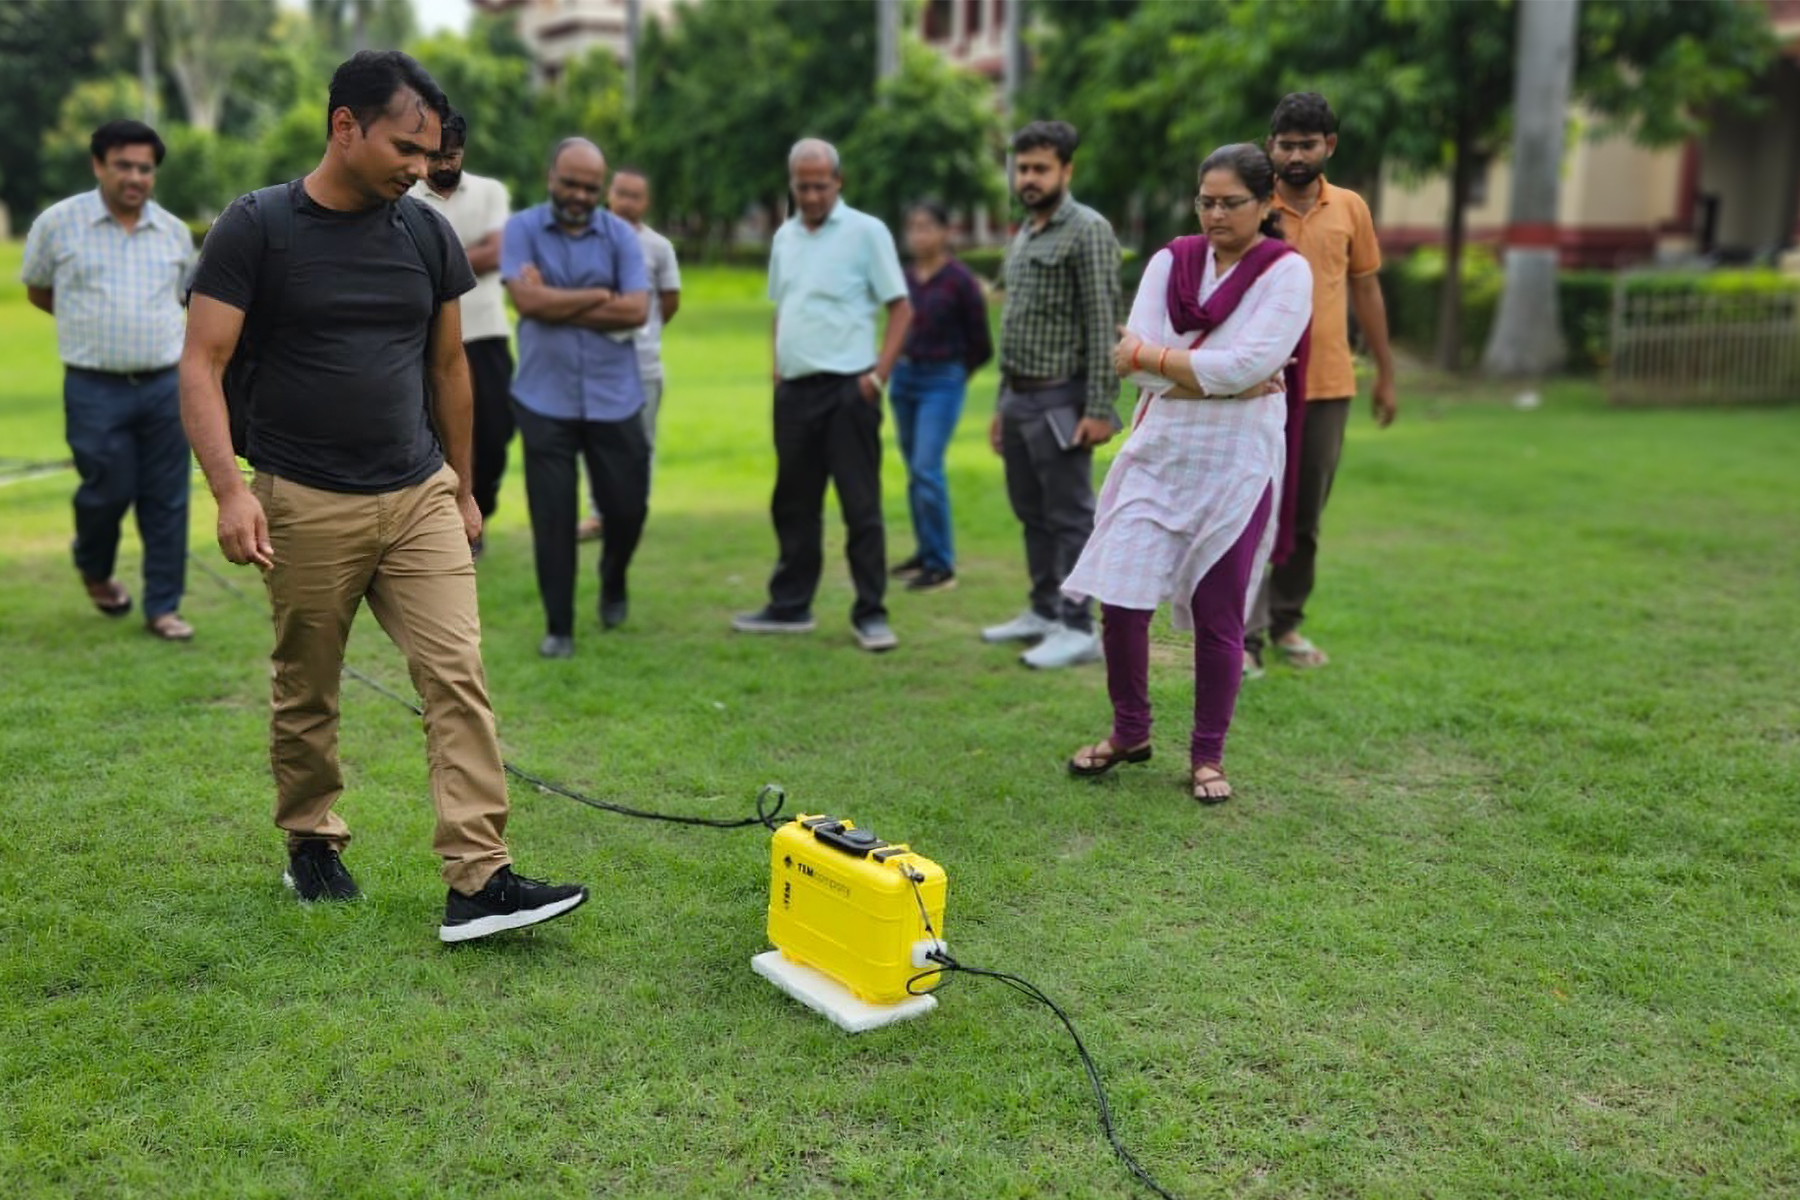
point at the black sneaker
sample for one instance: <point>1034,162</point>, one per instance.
<point>932,579</point>
<point>315,872</point>
<point>908,569</point>
<point>507,902</point>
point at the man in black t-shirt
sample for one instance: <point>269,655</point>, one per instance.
<point>360,394</point>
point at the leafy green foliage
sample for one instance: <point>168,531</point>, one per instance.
<point>932,132</point>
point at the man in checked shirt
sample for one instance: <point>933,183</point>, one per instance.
<point>1057,387</point>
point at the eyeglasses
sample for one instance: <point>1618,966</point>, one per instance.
<point>1206,204</point>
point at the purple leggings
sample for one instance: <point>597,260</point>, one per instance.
<point>1218,652</point>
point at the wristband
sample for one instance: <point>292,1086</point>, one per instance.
<point>1135,351</point>
<point>1161,362</point>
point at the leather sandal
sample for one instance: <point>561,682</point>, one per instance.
<point>170,628</point>
<point>109,596</point>
<point>1206,779</point>
<point>1090,762</point>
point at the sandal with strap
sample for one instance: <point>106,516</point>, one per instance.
<point>1301,654</point>
<point>1091,762</point>
<point>1207,779</point>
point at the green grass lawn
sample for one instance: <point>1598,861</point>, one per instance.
<point>1506,905</point>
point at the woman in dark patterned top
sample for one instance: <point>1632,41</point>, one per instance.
<point>949,340</point>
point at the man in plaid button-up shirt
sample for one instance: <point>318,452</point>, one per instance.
<point>109,266</point>
<point>1057,387</point>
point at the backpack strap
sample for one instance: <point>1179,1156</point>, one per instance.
<point>274,209</point>
<point>427,235</point>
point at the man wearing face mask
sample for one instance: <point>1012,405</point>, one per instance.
<point>1333,231</point>
<point>577,275</point>
<point>476,208</point>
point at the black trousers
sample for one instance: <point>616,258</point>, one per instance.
<point>1280,605</point>
<point>1052,494</point>
<point>826,432</point>
<point>618,463</point>
<point>491,372</point>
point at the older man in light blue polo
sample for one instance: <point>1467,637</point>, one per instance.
<point>832,270</point>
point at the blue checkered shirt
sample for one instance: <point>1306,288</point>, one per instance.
<point>118,293</point>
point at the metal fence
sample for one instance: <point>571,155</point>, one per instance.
<point>1678,345</point>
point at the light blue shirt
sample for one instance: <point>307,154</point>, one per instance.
<point>118,293</point>
<point>829,285</point>
<point>566,372</point>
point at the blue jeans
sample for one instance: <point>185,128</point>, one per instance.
<point>928,402</point>
<point>126,436</point>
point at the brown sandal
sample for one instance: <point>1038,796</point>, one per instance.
<point>1091,762</point>
<point>1207,777</point>
<point>170,628</point>
<point>109,596</point>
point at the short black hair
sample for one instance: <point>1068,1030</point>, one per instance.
<point>931,207</point>
<point>1303,112</point>
<point>113,134</point>
<point>366,83</point>
<point>631,169</point>
<point>1059,136</point>
<point>456,133</point>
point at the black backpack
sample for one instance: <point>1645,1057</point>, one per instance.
<point>273,210</point>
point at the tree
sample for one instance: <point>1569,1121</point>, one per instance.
<point>47,47</point>
<point>726,92</point>
<point>207,46</point>
<point>347,26</point>
<point>1527,337</point>
<point>935,133</point>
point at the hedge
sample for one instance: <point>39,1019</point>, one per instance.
<point>1412,287</point>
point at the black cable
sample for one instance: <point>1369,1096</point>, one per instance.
<point>23,468</point>
<point>765,816</point>
<point>947,965</point>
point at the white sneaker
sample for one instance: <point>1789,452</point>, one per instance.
<point>1064,648</point>
<point>1026,627</point>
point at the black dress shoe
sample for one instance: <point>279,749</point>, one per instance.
<point>613,613</point>
<point>557,645</point>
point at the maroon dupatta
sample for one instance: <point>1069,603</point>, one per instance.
<point>1187,315</point>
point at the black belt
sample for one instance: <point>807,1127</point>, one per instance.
<point>1024,384</point>
<point>131,377</point>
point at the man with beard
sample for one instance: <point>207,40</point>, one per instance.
<point>1057,387</point>
<point>1332,229</point>
<point>577,276</point>
<point>108,265</point>
<point>477,208</point>
<point>346,294</point>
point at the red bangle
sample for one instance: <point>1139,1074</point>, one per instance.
<point>1161,362</point>
<point>1135,351</point>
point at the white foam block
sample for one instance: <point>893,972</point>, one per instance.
<point>832,999</point>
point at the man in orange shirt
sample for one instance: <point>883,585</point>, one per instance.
<point>1332,229</point>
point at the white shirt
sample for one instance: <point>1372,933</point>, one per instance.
<point>665,276</point>
<point>1188,479</point>
<point>118,292</point>
<point>475,209</point>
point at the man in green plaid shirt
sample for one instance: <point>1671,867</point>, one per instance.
<point>1057,387</point>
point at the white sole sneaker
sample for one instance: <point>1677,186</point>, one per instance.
<point>482,927</point>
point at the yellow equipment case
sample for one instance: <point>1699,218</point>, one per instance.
<point>847,904</point>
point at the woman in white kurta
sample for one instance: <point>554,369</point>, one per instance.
<point>1185,517</point>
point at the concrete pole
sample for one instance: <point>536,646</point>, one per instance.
<point>887,39</point>
<point>634,15</point>
<point>1527,337</point>
<point>1014,65</point>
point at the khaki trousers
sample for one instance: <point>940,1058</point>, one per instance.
<point>407,554</point>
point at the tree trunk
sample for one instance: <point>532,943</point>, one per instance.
<point>201,95</point>
<point>147,59</point>
<point>1527,340</point>
<point>1450,299</point>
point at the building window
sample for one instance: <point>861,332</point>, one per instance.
<point>976,11</point>
<point>939,21</point>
